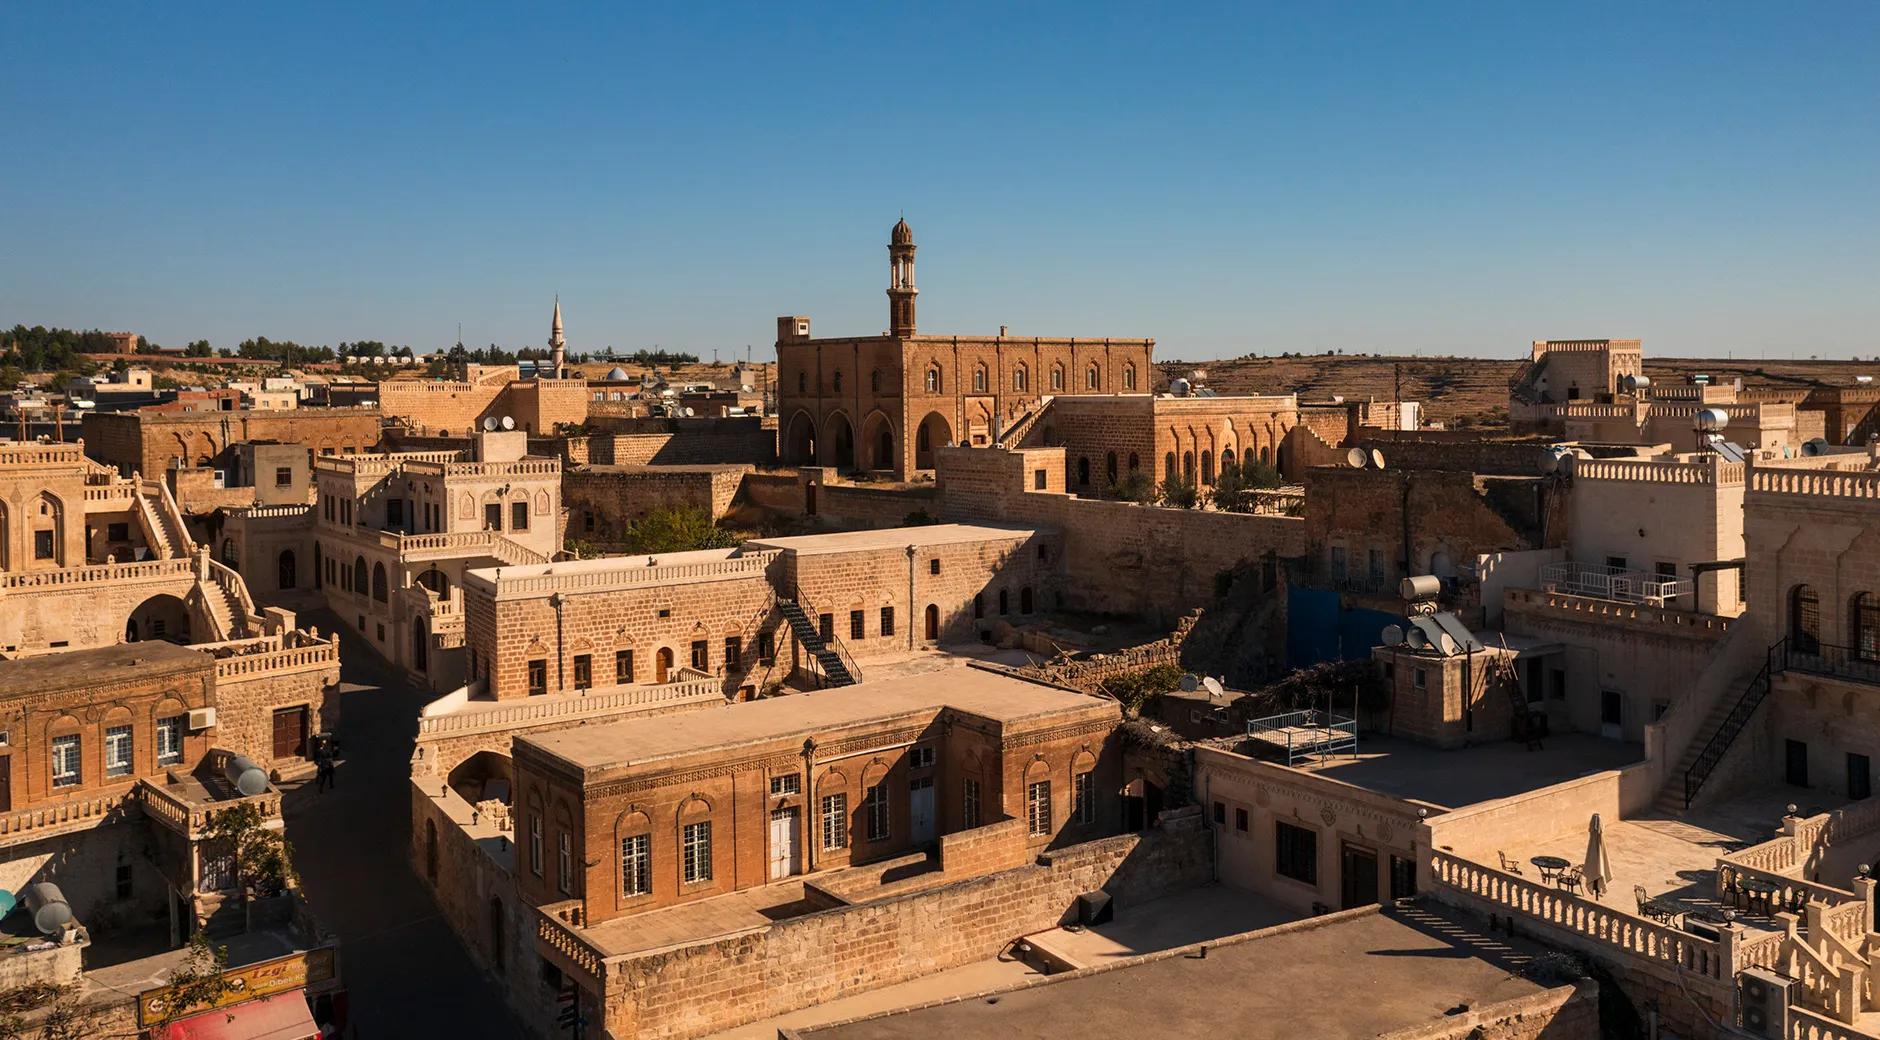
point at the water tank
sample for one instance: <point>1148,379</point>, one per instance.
<point>47,904</point>
<point>1178,386</point>
<point>245,776</point>
<point>7,902</point>
<point>1711,420</point>
<point>1421,586</point>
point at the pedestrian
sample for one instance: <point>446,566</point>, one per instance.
<point>324,772</point>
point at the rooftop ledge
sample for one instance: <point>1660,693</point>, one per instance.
<point>1591,608</point>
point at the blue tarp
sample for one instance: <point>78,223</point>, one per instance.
<point>1319,630</point>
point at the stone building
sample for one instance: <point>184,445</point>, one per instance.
<point>151,443</point>
<point>491,392</point>
<point>1560,371</point>
<point>888,402</point>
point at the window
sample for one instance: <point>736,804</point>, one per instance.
<point>170,741</point>
<point>65,772</point>
<point>1129,377</point>
<point>698,852</point>
<point>117,532</point>
<point>1091,378</point>
<point>1617,563</point>
<point>564,862</point>
<point>1005,600</point>
<point>826,627</point>
<point>874,381</point>
<point>538,677</point>
<point>1295,852</point>
<point>838,380</point>
<point>117,751</point>
<point>1419,679</point>
<point>766,647</point>
<point>1020,382</point>
<point>887,621</point>
<point>1403,878</point>
<point>1038,807</point>
<point>1037,479</point>
<point>1084,797</point>
<point>583,671</point>
<point>933,566</point>
<point>933,380</point>
<point>42,545</point>
<point>1057,378</point>
<point>1668,572</point>
<point>969,803</point>
<point>1859,777</point>
<point>493,516</point>
<point>734,653</point>
<point>394,512</point>
<point>519,516</point>
<point>1220,814</point>
<point>857,627</point>
<point>922,757</point>
<point>535,842</point>
<point>636,865</point>
<point>701,655</point>
<point>1240,819</point>
<point>786,783</point>
<point>1341,568</point>
<point>875,808</point>
<point>1375,567</point>
<point>979,379</point>
<point>835,821</point>
<point>623,667</point>
<point>802,382</point>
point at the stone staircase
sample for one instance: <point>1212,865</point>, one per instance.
<point>835,670</point>
<point>150,509</point>
<point>1728,717</point>
<point>1014,435</point>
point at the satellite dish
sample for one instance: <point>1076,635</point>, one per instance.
<point>1814,446</point>
<point>489,423</point>
<point>1377,459</point>
<point>1190,683</point>
<point>1447,644</point>
<point>1213,686</point>
<point>1393,635</point>
<point>1416,639</point>
<point>508,423</point>
<point>1356,458</point>
<point>688,412</point>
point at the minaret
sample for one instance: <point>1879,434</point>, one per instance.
<point>901,291</point>
<point>555,342</point>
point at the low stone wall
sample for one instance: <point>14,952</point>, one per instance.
<point>601,499</point>
<point>629,441</point>
<point>697,990</point>
<point>1563,1013</point>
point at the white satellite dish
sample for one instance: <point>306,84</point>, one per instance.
<point>1393,635</point>
<point>1190,683</point>
<point>489,423</point>
<point>688,412</point>
<point>1377,459</point>
<point>1213,686</point>
<point>1416,639</point>
<point>508,423</point>
<point>1447,644</point>
<point>1356,458</point>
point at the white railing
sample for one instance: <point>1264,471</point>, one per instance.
<point>318,655</point>
<point>631,571</point>
<point>477,716</point>
<point>1726,474</point>
<point>1616,583</point>
<point>1821,483</point>
<point>101,574</point>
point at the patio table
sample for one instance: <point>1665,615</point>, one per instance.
<point>1758,890</point>
<point>1550,866</point>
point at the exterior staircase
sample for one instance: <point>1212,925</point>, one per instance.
<point>162,521</point>
<point>1014,435</point>
<point>835,668</point>
<point>1728,718</point>
<point>1521,384</point>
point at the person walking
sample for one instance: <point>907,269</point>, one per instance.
<point>324,772</point>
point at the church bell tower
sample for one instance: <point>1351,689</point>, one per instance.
<point>901,291</point>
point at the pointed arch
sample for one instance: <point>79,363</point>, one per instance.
<point>836,447</point>
<point>799,440</point>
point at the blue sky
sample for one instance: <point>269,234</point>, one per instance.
<point>1250,177</point>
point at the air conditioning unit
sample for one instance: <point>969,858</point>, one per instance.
<point>201,719</point>
<point>1762,1002</point>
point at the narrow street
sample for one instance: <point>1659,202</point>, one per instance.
<point>405,972</point>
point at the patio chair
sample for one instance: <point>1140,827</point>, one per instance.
<point>1571,879</point>
<point>1509,865</point>
<point>1645,907</point>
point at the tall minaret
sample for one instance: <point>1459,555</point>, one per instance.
<point>555,342</point>
<point>901,291</point>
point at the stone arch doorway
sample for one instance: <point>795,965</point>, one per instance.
<point>662,665</point>
<point>287,575</point>
<point>420,646</point>
<point>162,616</point>
<point>799,440</point>
<point>933,622</point>
<point>838,441</point>
<point>878,437</point>
<point>934,432</point>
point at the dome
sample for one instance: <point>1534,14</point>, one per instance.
<point>902,235</point>
<point>616,375</point>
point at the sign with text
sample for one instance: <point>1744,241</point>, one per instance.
<point>248,982</point>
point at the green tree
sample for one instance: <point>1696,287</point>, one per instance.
<point>198,348</point>
<point>1134,486</point>
<point>675,529</point>
<point>262,859</point>
<point>1179,494</point>
<point>1137,691</point>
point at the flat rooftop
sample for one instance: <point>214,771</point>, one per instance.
<point>1455,777</point>
<point>637,741</point>
<point>920,536</point>
<point>1355,976</point>
<point>98,667</point>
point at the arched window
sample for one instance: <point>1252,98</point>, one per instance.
<point>380,591</point>
<point>1109,467</point>
<point>229,555</point>
<point>1129,377</point>
<point>1188,467</point>
<point>933,380</point>
<point>838,380</point>
<point>1024,600</point>
<point>1021,381</point>
<point>979,605</point>
<point>1092,378</point>
<point>319,580</point>
<point>287,574</point>
<point>1228,463</point>
<point>979,379</point>
<point>1266,457</point>
<point>874,381</point>
<point>1804,620</point>
<point>1864,627</point>
<point>1083,471</point>
<point>1057,377</point>
<point>1004,603</point>
<point>1134,462</point>
<point>1207,467</point>
<point>1168,468</point>
<point>802,382</point>
<point>361,577</point>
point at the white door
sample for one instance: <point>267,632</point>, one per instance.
<point>920,809</point>
<point>783,859</point>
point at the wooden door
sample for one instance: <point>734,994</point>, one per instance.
<point>290,732</point>
<point>1358,877</point>
<point>783,857</point>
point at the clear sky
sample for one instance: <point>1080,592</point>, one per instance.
<point>1248,177</point>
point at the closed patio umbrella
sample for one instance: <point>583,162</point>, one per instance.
<point>1598,865</point>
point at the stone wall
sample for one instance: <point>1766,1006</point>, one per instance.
<point>1562,1013</point>
<point>436,406</point>
<point>245,706</point>
<point>601,499</point>
<point>147,442</point>
<point>732,440</point>
<point>695,990</point>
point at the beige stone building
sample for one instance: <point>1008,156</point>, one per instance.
<point>888,402</point>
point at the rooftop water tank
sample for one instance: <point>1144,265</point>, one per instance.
<point>245,776</point>
<point>1178,386</point>
<point>47,904</point>
<point>1711,420</point>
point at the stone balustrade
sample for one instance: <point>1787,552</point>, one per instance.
<point>60,817</point>
<point>1805,1025</point>
<point>1589,608</point>
<point>192,819</point>
<point>1724,474</point>
<point>1780,480</point>
<point>281,660</point>
<point>1602,925</point>
<point>628,572</point>
<point>474,716</point>
<point>555,928</point>
<point>172,569</point>
<point>30,454</point>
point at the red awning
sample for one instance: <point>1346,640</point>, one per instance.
<point>283,1016</point>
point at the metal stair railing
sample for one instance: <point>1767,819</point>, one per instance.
<point>837,665</point>
<point>1732,724</point>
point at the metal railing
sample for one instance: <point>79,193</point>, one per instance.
<point>1732,724</point>
<point>1617,583</point>
<point>1859,663</point>
<point>1310,733</point>
<point>830,640</point>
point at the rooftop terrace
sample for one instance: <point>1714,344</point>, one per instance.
<point>921,536</point>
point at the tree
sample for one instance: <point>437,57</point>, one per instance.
<point>1179,494</point>
<point>198,982</point>
<point>261,858</point>
<point>198,348</point>
<point>1134,486</point>
<point>675,529</point>
<point>1136,691</point>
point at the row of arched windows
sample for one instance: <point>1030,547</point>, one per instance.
<point>935,382</point>
<point>1863,623</point>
